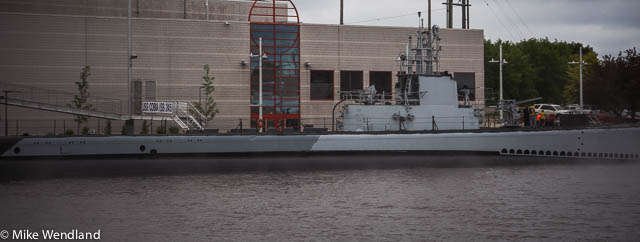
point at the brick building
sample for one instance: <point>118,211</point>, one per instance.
<point>45,43</point>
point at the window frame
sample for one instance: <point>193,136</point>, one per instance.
<point>361,71</point>
<point>390,82</point>
<point>333,86</point>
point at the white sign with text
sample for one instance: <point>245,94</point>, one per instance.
<point>159,107</point>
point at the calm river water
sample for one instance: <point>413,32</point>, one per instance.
<point>560,202</point>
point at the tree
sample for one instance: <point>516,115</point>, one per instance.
<point>536,68</point>
<point>615,83</point>
<point>571,92</point>
<point>80,99</point>
<point>145,127</point>
<point>208,108</point>
<point>107,129</point>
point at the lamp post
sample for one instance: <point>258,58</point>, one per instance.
<point>130,57</point>
<point>502,62</point>
<point>260,56</point>
<point>582,64</point>
<point>6,112</point>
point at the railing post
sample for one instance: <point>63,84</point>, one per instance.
<point>17,127</point>
<point>54,128</point>
<point>462,123</point>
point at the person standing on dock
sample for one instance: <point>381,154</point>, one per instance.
<point>526,116</point>
<point>532,116</point>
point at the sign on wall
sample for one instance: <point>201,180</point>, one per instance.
<point>159,107</point>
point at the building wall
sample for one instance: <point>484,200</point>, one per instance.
<point>46,44</point>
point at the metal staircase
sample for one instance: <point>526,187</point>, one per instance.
<point>184,117</point>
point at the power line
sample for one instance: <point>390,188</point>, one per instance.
<point>520,18</point>
<point>499,20</point>
<point>509,20</point>
<point>391,17</point>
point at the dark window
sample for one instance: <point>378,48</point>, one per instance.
<point>547,107</point>
<point>466,80</point>
<point>382,82</point>
<point>350,81</point>
<point>321,85</point>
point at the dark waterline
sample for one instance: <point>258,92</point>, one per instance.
<point>440,198</point>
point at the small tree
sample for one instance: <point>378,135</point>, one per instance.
<point>107,129</point>
<point>80,99</point>
<point>145,127</point>
<point>208,108</point>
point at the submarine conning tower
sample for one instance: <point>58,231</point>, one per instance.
<point>426,99</point>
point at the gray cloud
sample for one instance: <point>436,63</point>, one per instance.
<point>608,26</point>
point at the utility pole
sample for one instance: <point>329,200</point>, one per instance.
<point>582,64</point>
<point>464,14</point>
<point>341,12</point>
<point>449,4</point>
<point>502,62</point>
<point>429,16</point>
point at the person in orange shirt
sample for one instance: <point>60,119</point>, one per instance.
<point>539,119</point>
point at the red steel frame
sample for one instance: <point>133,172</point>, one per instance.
<point>272,51</point>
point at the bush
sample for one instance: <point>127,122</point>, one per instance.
<point>107,129</point>
<point>85,130</point>
<point>68,132</point>
<point>161,130</point>
<point>145,127</point>
<point>174,130</point>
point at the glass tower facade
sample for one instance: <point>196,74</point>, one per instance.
<point>280,64</point>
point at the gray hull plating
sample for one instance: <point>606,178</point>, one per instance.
<point>438,104</point>
<point>605,143</point>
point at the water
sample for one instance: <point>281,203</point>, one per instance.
<point>572,201</point>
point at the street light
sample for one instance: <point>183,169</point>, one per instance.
<point>582,64</point>
<point>502,62</point>
<point>261,56</point>
<point>6,112</point>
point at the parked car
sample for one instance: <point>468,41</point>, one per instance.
<point>575,109</point>
<point>550,109</point>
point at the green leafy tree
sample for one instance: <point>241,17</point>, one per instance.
<point>571,92</point>
<point>615,83</point>
<point>208,109</point>
<point>536,68</point>
<point>80,99</point>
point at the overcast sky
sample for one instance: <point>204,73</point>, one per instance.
<point>608,25</point>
